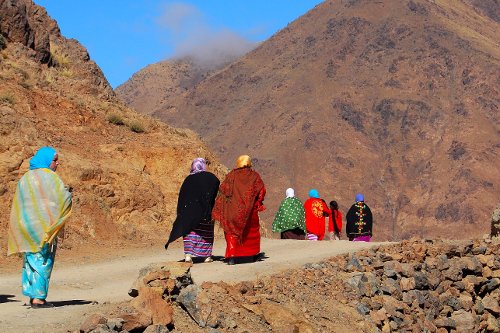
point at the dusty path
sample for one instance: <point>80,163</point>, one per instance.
<point>76,284</point>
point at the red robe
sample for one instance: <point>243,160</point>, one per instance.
<point>250,245</point>
<point>236,208</point>
<point>315,221</point>
<point>338,221</point>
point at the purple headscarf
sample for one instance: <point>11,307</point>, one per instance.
<point>198,165</point>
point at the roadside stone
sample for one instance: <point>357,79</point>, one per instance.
<point>353,265</point>
<point>421,281</point>
<point>151,302</point>
<point>465,321</point>
<point>280,317</point>
<point>115,323</point>
<point>197,303</point>
<point>362,309</point>
<point>179,272</point>
<point>134,321</point>
<point>244,288</point>
<point>394,288</point>
<point>156,329</point>
<point>491,305</point>
<point>92,322</point>
<point>446,323</point>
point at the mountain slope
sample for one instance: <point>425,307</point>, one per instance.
<point>394,99</point>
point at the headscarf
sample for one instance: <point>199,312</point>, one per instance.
<point>313,194</point>
<point>359,197</point>
<point>243,161</point>
<point>43,158</point>
<point>290,193</point>
<point>198,165</point>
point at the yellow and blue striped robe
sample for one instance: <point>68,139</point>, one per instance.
<point>41,206</point>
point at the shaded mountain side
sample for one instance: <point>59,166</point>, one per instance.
<point>126,169</point>
<point>153,86</point>
<point>395,99</point>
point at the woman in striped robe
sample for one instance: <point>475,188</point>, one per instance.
<point>41,206</point>
<point>194,212</point>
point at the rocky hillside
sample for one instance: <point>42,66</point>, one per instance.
<point>126,169</point>
<point>413,286</point>
<point>395,99</point>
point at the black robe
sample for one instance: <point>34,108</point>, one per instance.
<point>195,203</point>
<point>352,230</point>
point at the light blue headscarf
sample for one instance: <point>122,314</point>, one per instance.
<point>359,197</point>
<point>43,158</point>
<point>313,194</point>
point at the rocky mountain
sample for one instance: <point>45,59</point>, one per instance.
<point>395,99</point>
<point>126,169</point>
<point>155,85</point>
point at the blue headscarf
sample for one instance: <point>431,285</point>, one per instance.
<point>43,158</point>
<point>313,194</point>
<point>359,197</point>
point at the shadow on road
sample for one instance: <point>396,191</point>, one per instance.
<point>72,302</point>
<point>5,298</point>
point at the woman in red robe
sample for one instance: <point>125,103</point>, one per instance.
<point>236,208</point>
<point>315,219</point>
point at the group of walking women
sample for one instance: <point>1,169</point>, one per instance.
<point>295,220</point>
<point>42,204</point>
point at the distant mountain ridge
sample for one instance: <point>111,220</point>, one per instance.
<point>395,99</point>
<point>155,85</point>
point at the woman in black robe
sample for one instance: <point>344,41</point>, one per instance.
<point>194,212</point>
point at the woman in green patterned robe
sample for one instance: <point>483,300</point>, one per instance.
<point>290,219</point>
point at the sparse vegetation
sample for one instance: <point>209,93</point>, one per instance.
<point>59,56</point>
<point>8,98</point>
<point>136,127</point>
<point>48,78</point>
<point>67,73</point>
<point>12,64</point>
<point>119,148</point>
<point>5,55</point>
<point>3,42</point>
<point>181,133</point>
<point>115,118</point>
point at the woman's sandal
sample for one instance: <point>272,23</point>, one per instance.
<point>44,305</point>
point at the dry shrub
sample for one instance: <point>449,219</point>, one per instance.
<point>115,118</point>
<point>59,56</point>
<point>8,97</point>
<point>136,126</point>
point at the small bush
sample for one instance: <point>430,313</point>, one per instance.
<point>3,42</point>
<point>5,55</point>
<point>8,98</point>
<point>115,118</point>
<point>136,127</point>
<point>59,56</point>
<point>68,74</point>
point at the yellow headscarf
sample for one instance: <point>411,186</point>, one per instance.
<point>244,161</point>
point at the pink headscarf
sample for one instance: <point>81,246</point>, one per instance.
<point>198,165</point>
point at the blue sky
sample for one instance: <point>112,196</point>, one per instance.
<point>124,36</point>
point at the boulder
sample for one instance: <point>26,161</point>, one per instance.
<point>152,303</point>
<point>197,303</point>
<point>179,272</point>
<point>92,322</point>
<point>134,321</point>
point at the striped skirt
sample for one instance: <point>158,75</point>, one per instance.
<point>312,237</point>
<point>200,242</point>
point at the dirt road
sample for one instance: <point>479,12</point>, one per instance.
<point>84,285</point>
